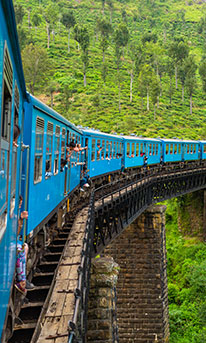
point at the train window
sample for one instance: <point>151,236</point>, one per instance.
<point>141,149</point>
<point>93,149</point>
<point>38,150</point>
<point>157,147</point>
<point>110,149</point>
<point>56,150</point>
<point>191,148</point>
<point>204,148</point>
<point>7,95</point>
<point>63,143</point>
<point>14,153</point>
<point>49,143</point>
<point>188,148</point>
<point>114,151</point>
<point>137,149</point>
<point>167,149</point>
<point>154,150</point>
<point>150,149</point>
<point>132,153</point>
<point>179,148</point>
<point>103,147</point>
<point>195,148</point>
<point>121,149</point>
<point>128,149</point>
<point>171,148</point>
<point>175,148</point>
<point>98,149</point>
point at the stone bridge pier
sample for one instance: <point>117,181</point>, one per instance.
<point>142,296</point>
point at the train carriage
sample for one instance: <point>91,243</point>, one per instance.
<point>175,150</point>
<point>13,95</point>
<point>46,182</point>
<point>104,152</point>
<point>137,148</point>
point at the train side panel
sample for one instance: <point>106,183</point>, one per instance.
<point>13,93</point>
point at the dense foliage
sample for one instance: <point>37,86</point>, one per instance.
<point>186,282</point>
<point>129,66</point>
<point>124,66</point>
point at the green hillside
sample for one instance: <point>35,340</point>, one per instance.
<point>150,45</point>
<point>152,28</point>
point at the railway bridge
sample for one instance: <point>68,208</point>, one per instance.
<point>97,228</point>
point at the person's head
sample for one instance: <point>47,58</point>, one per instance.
<point>16,132</point>
<point>72,145</point>
<point>63,162</point>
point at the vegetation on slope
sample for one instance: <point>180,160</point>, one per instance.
<point>144,44</point>
<point>129,66</point>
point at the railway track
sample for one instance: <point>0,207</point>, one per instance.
<point>36,301</point>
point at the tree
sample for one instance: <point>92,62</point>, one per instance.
<point>19,13</point>
<point>191,79</point>
<point>202,72</point>
<point>111,7</point>
<point>105,29</point>
<point>51,88</point>
<point>104,71</point>
<point>36,66</point>
<point>69,21</point>
<point>36,20</point>
<point>82,37</point>
<point>178,51</point>
<point>170,72</point>
<point>146,76</point>
<point>155,91</point>
<point>50,15</point>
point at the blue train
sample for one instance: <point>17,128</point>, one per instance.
<point>39,168</point>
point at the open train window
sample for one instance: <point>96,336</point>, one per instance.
<point>63,143</point>
<point>157,149</point>
<point>14,153</point>
<point>132,150</point>
<point>153,149</point>
<point>175,148</point>
<point>137,149</point>
<point>128,149</point>
<point>204,148</point>
<point>107,150</point>
<point>167,149</point>
<point>114,149</point>
<point>98,149</point>
<point>179,148</point>
<point>103,150</point>
<point>56,150</point>
<point>171,149</point>
<point>49,143</point>
<point>93,149</point>
<point>38,149</point>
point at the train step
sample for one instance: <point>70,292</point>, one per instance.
<point>59,241</point>
<point>39,293</point>
<point>43,280</point>
<point>52,257</point>
<point>28,314</point>
<point>44,267</point>
<point>23,335</point>
<point>56,248</point>
<point>63,235</point>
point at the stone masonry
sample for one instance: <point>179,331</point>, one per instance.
<point>142,296</point>
<point>102,323</point>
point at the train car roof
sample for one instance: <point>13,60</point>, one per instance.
<point>8,9</point>
<point>96,133</point>
<point>49,111</point>
<point>146,139</point>
<point>178,140</point>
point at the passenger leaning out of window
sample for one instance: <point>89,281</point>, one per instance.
<point>21,283</point>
